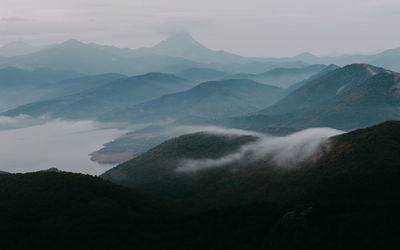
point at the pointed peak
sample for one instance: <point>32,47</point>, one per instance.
<point>180,40</point>
<point>72,42</point>
<point>306,55</point>
<point>181,36</point>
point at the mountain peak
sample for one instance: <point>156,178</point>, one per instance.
<point>372,70</point>
<point>181,36</point>
<point>180,40</point>
<point>72,42</point>
<point>305,55</point>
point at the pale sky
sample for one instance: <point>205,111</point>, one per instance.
<point>246,27</point>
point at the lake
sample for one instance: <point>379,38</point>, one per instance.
<point>28,145</point>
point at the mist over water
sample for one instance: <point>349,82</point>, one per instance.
<point>28,145</point>
<point>285,151</point>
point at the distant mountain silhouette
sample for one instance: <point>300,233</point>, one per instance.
<point>183,45</point>
<point>95,59</point>
<point>282,77</point>
<point>19,48</point>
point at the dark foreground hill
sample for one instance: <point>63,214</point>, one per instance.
<point>69,211</point>
<point>354,160</point>
<point>347,199</point>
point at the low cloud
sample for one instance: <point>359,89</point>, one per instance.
<point>21,121</point>
<point>286,151</point>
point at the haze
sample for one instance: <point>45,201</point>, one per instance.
<point>249,28</point>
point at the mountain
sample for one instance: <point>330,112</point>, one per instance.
<point>323,88</point>
<point>19,48</point>
<point>183,45</point>
<point>76,56</point>
<point>135,143</point>
<point>340,173</point>
<point>115,94</point>
<point>346,199</point>
<point>258,66</point>
<point>74,211</point>
<point>374,101</point>
<point>14,78</point>
<point>18,85</point>
<point>154,171</point>
<point>202,74</point>
<point>369,96</point>
<point>351,97</point>
<point>209,99</point>
<point>299,84</point>
<point>282,77</point>
<point>76,85</point>
<point>307,57</point>
<point>387,59</point>
<point>179,52</point>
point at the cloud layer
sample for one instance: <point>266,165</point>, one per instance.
<point>287,151</point>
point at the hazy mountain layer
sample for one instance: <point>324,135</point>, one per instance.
<point>19,86</point>
<point>19,48</point>
<point>209,99</point>
<point>91,59</point>
<point>323,88</point>
<point>202,74</point>
<point>282,77</point>
<point>116,94</point>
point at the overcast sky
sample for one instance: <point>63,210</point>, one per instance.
<point>245,27</point>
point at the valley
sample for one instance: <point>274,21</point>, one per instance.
<point>139,134</point>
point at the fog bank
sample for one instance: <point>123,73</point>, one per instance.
<point>286,151</point>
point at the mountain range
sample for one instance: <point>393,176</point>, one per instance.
<point>19,48</point>
<point>282,77</point>
<point>119,93</point>
<point>91,58</point>
<point>19,86</point>
<point>178,52</point>
<point>210,99</point>
<point>354,96</point>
